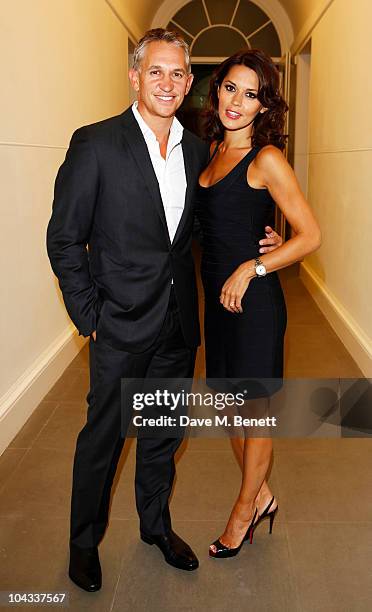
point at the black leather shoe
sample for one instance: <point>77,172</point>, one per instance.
<point>85,568</point>
<point>176,552</point>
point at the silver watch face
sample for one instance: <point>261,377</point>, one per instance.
<point>260,270</point>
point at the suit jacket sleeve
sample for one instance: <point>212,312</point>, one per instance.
<point>75,194</point>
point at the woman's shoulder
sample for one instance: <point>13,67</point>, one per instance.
<point>270,159</point>
<point>272,165</point>
<point>269,153</point>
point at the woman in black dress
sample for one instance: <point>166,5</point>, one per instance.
<point>245,312</point>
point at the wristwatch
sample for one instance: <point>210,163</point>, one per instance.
<point>259,267</point>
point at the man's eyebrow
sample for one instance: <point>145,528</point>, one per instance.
<point>161,68</point>
<point>248,88</point>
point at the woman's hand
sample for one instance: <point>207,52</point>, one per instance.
<point>235,287</point>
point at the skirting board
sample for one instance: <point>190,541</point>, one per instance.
<point>353,337</point>
<point>17,405</point>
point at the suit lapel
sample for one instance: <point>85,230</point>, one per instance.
<point>191,170</point>
<point>137,145</point>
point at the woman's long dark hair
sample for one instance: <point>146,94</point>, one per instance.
<point>268,127</point>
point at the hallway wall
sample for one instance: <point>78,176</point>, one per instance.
<point>340,173</point>
<point>64,64</point>
<point>136,16</point>
<point>304,14</point>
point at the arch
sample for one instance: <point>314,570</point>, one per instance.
<point>272,8</point>
<point>213,27</point>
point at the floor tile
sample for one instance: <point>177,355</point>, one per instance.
<point>324,486</point>
<point>72,386</point>
<point>34,557</point>
<point>34,425</point>
<point>332,566</point>
<point>39,487</point>
<point>331,446</point>
<point>258,578</point>
<point>9,461</point>
<point>303,311</point>
<point>61,431</point>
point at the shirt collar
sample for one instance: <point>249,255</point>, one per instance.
<point>175,133</point>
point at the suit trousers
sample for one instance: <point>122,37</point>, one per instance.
<point>100,442</point>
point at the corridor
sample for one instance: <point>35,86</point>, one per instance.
<point>65,65</point>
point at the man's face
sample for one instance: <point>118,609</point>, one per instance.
<point>162,80</point>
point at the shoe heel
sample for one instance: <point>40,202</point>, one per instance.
<point>252,526</point>
<point>272,516</point>
<point>146,539</point>
<point>251,536</point>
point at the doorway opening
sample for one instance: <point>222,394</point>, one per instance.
<point>191,112</point>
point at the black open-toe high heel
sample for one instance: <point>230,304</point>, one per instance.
<point>266,513</point>
<point>223,552</point>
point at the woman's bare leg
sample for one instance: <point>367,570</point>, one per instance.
<point>264,495</point>
<point>254,455</point>
<point>256,461</point>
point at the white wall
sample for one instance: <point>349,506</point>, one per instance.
<point>63,64</point>
<point>137,15</point>
<point>339,181</point>
<point>304,15</point>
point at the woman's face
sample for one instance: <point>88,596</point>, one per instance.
<point>238,103</point>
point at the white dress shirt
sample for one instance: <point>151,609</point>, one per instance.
<point>170,171</point>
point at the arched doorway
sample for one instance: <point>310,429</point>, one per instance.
<point>253,20</point>
<point>218,29</point>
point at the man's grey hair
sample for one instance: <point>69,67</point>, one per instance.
<point>159,34</point>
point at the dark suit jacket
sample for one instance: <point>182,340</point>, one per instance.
<point>107,198</point>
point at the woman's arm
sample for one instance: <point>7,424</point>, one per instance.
<point>277,175</point>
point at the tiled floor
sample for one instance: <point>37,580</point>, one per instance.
<point>318,558</point>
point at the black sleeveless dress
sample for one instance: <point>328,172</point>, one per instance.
<point>246,347</point>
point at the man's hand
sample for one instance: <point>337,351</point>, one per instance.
<point>94,335</point>
<point>271,242</point>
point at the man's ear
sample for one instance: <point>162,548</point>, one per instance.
<point>134,79</point>
<point>189,81</point>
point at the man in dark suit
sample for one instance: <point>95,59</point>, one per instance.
<point>125,191</point>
